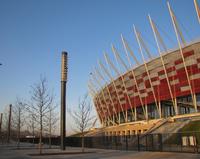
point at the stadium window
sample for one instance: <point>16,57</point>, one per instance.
<point>122,120</point>
<point>123,135</point>
<point>110,135</point>
<point>130,117</point>
<point>189,99</point>
<point>118,136</point>
<point>198,100</point>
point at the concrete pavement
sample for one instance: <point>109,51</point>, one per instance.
<point>10,152</point>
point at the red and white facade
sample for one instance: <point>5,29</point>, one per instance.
<point>150,85</point>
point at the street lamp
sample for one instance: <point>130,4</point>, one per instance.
<point>64,68</point>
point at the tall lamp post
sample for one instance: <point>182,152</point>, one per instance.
<point>9,123</point>
<point>1,123</point>
<point>64,68</point>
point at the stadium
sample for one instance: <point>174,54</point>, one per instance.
<point>147,94</point>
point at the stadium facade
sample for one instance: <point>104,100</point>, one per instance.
<point>162,87</point>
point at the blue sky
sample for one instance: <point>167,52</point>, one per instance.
<point>33,33</point>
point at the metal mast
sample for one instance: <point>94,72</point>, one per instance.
<point>197,9</point>
<point>178,33</point>
<point>156,36</point>
<point>138,38</point>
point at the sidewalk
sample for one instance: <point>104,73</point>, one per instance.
<point>10,152</point>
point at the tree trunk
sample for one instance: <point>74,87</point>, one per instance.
<point>50,141</point>
<point>50,130</point>
<point>18,144</point>
<point>40,143</point>
<point>18,133</point>
<point>82,143</point>
<point>33,134</point>
<point>33,129</point>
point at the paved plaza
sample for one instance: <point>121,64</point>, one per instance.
<point>28,151</point>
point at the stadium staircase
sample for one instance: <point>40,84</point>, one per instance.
<point>157,125</point>
<point>167,127</point>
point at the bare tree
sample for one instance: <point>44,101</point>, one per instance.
<point>51,121</point>
<point>83,118</point>
<point>4,125</point>
<point>41,100</point>
<point>31,125</point>
<point>18,118</point>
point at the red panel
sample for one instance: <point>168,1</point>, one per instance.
<point>163,81</point>
<point>170,69</point>
<point>196,84</point>
<point>154,79</point>
<point>97,107</point>
<point>147,84</point>
<point>193,69</point>
<point>131,76</point>
<point>150,94</point>
<point>144,74</point>
<point>180,70</point>
<point>136,101</point>
<point>179,61</point>
<point>162,72</point>
<point>100,108</point>
<point>142,91</point>
<point>189,53</point>
<point>130,88</point>
<point>139,80</point>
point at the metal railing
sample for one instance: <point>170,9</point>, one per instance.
<point>170,142</point>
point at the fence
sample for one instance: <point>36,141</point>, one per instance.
<point>174,142</point>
